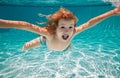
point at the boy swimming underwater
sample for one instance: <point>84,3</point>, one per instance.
<point>59,32</point>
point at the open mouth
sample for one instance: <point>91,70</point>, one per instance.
<point>65,36</point>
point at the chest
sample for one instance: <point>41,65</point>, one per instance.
<point>57,45</point>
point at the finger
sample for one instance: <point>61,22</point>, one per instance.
<point>119,13</point>
<point>23,48</point>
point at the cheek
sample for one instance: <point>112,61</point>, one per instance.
<point>58,32</point>
<point>71,32</point>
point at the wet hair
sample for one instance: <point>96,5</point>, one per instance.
<point>62,13</point>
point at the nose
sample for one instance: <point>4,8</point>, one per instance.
<point>66,30</point>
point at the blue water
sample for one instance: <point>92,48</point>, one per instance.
<point>95,52</point>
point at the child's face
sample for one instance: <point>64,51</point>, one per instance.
<point>65,29</point>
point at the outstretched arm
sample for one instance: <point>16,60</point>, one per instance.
<point>23,25</point>
<point>97,19</point>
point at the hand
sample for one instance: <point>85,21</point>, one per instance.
<point>117,10</point>
<point>26,46</point>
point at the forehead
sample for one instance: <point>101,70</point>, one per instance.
<point>65,21</point>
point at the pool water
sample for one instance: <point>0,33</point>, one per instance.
<point>95,52</point>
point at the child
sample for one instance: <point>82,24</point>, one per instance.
<point>61,28</point>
